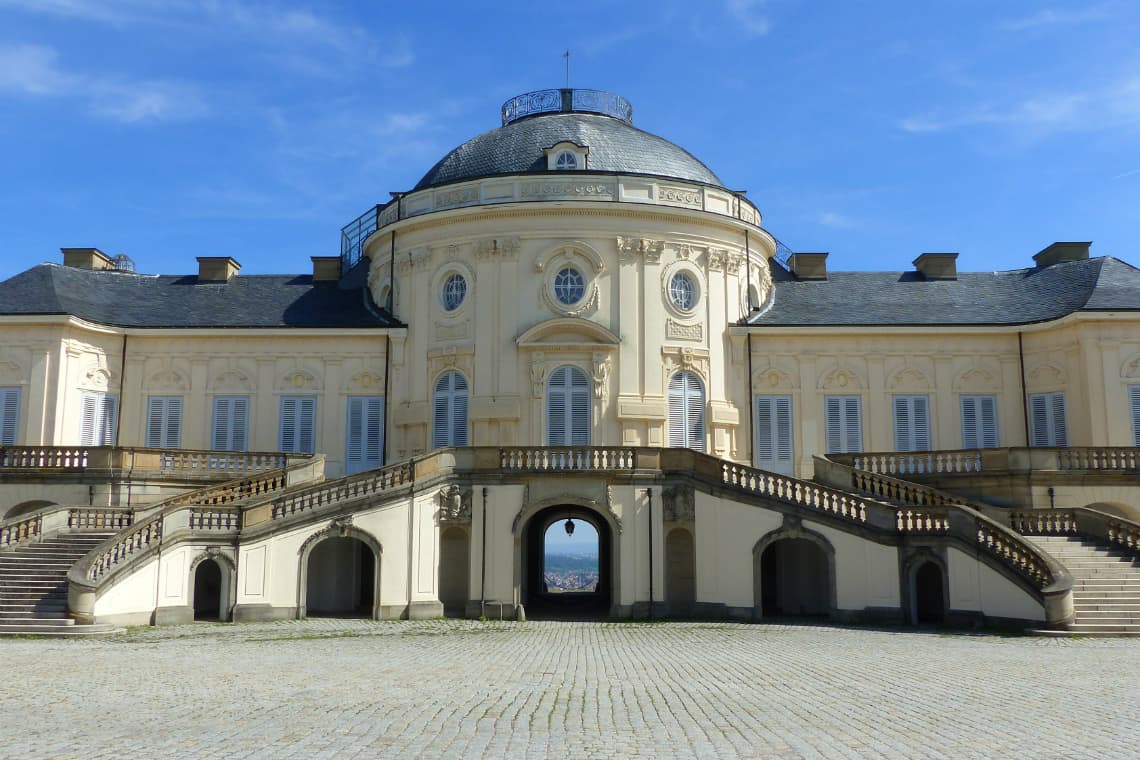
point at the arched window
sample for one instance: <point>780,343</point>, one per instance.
<point>568,408</point>
<point>449,411</point>
<point>686,411</point>
<point>566,160</point>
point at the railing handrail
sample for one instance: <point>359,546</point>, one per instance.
<point>126,458</point>
<point>110,557</point>
<point>1002,459</point>
<point>1079,521</point>
<point>1001,542</point>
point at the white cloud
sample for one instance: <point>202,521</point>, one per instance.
<point>747,13</point>
<point>1049,17</point>
<point>832,219</point>
<point>34,70</point>
<point>1112,106</point>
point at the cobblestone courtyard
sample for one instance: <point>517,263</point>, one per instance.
<point>336,688</point>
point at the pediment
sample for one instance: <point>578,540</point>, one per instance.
<point>567,332</point>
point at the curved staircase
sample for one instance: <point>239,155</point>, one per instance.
<point>33,586</point>
<point>1106,585</point>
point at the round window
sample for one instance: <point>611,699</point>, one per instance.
<point>682,291</point>
<point>454,291</point>
<point>569,286</point>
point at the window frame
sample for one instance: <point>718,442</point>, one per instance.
<point>450,406</point>
<point>366,434</point>
<point>103,418</point>
<point>783,459</point>
<point>233,403</point>
<point>557,285</point>
<point>687,426</point>
<point>10,403</point>
<point>304,415</point>
<point>1053,435</point>
<point>575,411</point>
<point>911,438</point>
<point>843,404</point>
<point>984,439</point>
<point>167,433</point>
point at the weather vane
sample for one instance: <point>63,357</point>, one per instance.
<point>566,56</point>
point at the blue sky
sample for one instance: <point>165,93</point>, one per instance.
<point>584,541</point>
<point>169,129</point>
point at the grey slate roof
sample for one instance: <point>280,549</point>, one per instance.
<point>1020,296</point>
<point>134,300</point>
<point>614,147</point>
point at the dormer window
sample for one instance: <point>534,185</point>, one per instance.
<point>566,161</point>
<point>566,156</point>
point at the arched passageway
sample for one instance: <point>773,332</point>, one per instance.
<point>929,599</point>
<point>341,579</point>
<point>24,508</point>
<point>454,563</point>
<point>208,590</point>
<point>680,572</point>
<point>559,579</point>
<point>795,579</point>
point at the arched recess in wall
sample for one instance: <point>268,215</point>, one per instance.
<point>219,591</point>
<point>340,528</point>
<point>793,574</point>
<point>926,587</point>
<point>680,572</point>
<point>25,507</point>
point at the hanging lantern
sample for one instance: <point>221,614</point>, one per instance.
<point>569,526</point>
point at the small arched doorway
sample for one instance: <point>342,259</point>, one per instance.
<point>795,579</point>
<point>929,599</point>
<point>25,507</point>
<point>340,579</point>
<point>454,564</point>
<point>566,577</point>
<point>680,572</point>
<point>208,590</point>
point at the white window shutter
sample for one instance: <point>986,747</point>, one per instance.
<point>991,435</point>
<point>108,405</point>
<point>9,415</point>
<point>1134,402</point>
<point>912,423</point>
<point>579,408</point>
<point>853,424</point>
<point>298,424</point>
<point>449,411</point>
<point>833,424</point>
<point>89,419</point>
<point>556,408</point>
<point>230,423</point>
<point>979,422</point>
<point>970,438</point>
<point>164,422</point>
<point>364,445</point>
<point>686,411</point>
<point>1048,425</point>
<point>1060,426</point>
<point>774,434</point>
<point>287,437</point>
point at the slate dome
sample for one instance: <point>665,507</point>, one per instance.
<point>536,121</point>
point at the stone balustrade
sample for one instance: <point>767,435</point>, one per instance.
<point>800,492</point>
<point>96,519</point>
<point>1014,552</point>
<point>1079,521</point>
<point>23,528</point>
<point>923,522</point>
<point>367,483</point>
<point>214,519</point>
<point>43,457</point>
<point>584,458</point>
<point>46,459</point>
<point>1010,459</point>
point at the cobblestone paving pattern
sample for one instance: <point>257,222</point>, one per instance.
<point>434,689</point>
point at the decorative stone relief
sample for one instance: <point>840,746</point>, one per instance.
<point>457,197</point>
<point>458,357</point>
<point>1046,376</point>
<point>679,504</point>
<point>568,188</point>
<point>341,525</point>
<point>976,379</point>
<point>677,358</point>
<point>168,380</point>
<point>839,379</point>
<point>11,373</point>
<point>718,259</point>
<point>682,195</point>
<point>365,380</point>
<point>771,378</point>
<point>909,379</point>
<point>631,248</point>
<point>231,381</point>
<point>601,375</point>
<point>1131,369</point>
<point>97,377</point>
<point>298,380</point>
<point>454,504</point>
<point>681,331</point>
<point>506,248</point>
<point>537,373</point>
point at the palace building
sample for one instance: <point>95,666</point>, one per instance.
<point>571,319</point>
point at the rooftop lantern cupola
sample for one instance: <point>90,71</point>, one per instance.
<point>567,100</point>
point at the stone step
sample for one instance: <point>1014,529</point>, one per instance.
<point>1099,628</point>
<point>1126,606</point>
<point>1115,613</point>
<point>34,612</point>
<point>40,627</point>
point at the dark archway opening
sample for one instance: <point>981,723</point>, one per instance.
<point>794,579</point>
<point>341,579</point>
<point>208,591</point>
<point>680,573</point>
<point>553,586</point>
<point>454,559</point>
<point>929,602</point>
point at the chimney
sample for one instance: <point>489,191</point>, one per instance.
<point>216,268</point>
<point>326,268</point>
<point>1062,252</point>
<point>86,258</point>
<point>809,266</point>
<point>937,266</point>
